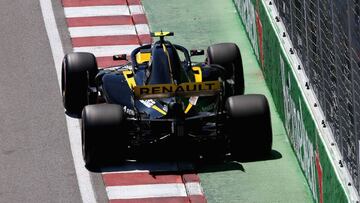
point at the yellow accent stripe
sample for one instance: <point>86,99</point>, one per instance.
<point>130,80</point>
<point>142,57</point>
<point>168,57</point>
<point>188,108</point>
<point>158,109</point>
<point>198,78</point>
<point>197,73</point>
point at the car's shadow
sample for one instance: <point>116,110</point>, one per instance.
<point>229,164</point>
<point>156,164</point>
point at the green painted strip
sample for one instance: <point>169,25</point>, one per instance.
<point>198,24</point>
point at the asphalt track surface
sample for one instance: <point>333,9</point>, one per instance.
<point>35,158</point>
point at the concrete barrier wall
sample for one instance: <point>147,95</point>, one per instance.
<point>320,161</point>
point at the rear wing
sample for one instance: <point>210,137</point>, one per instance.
<point>155,91</point>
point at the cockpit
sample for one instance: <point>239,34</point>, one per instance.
<point>165,66</point>
<point>162,63</point>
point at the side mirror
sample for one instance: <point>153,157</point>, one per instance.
<point>119,57</point>
<point>196,52</point>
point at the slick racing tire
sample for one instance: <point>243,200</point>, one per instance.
<point>249,125</point>
<point>103,135</point>
<point>77,75</point>
<point>228,56</point>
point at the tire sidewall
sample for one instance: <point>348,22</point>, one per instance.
<point>249,126</point>
<point>104,136</point>
<point>78,73</point>
<point>228,55</point>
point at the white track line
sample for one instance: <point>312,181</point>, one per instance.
<point>99,51</point>
<point>193,188</point>
<point>107,30</point>
<point>142,29</point>
<point>146,191</point>
<point>83,176</point>
<point>92,11</point>
<point>136,9</point>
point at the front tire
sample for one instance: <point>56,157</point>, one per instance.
<point>228,56</point>
<point>103,134</point>
<point>77,75</point>
<point>249,126</point>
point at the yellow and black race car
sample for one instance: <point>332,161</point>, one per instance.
<point>160,95</point>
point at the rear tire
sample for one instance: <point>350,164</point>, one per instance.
<point>249,126</point>
<point>228,56</point>
<point>77,74</point>
<point>103,134</point>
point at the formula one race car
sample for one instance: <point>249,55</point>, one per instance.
<point>160,95</point>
